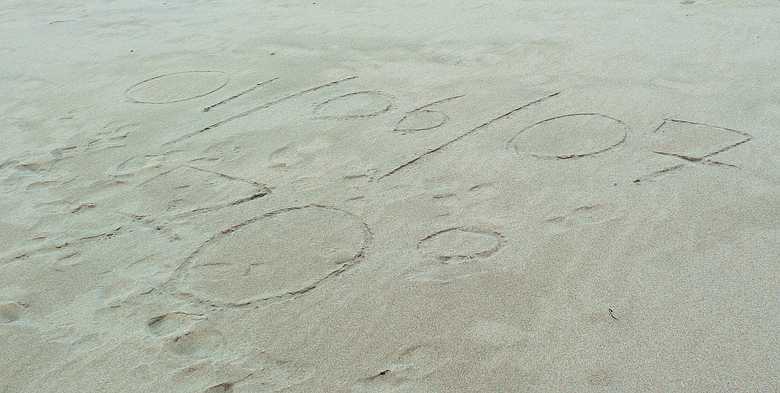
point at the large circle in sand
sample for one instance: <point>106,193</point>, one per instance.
<point>176,87</point>
<point>280,254</point>
<point>570,136</point>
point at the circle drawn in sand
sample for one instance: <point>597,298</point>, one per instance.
<point>355,105</point>
<point>176,87</point>
<point>421,120</point>
<point>570,136</point>
<point>283,253</point>
<point>462,244</point>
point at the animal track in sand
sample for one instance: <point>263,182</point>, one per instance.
<point>200,342</point>
<point>176,87</point>
<point>354,105</point>
<point>403,372</point>
<point>587,215</point>
<point>186,189</point>
<point>283,253</point>
<point>461,244</point>
<point>173,322</point>
<point>10,312</point>
<point>570,136</point>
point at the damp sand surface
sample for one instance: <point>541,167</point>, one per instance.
<point>376,197</point>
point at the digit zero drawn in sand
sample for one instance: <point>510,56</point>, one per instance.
<point>423,118</point>
<point>356,105</point>
<point>280,254</point>
<point>259,108</point>
<point>244,92</point>
<point>176,87</point>
<point>570,136</point>
<point>461,244</point>
<point>465,134</point>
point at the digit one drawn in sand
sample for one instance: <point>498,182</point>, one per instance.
<point>283,253</point>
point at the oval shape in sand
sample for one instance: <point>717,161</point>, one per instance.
<point>354,105</point>
<point>176,87</point>
<point>421,120</point>
<point>570,136</point>
<point>285,252</point>
<point>457,245</point>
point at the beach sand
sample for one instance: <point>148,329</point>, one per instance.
<point>389,196</point>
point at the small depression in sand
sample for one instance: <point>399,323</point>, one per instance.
<point>354,105</point>
<point>458,245</point>
<point>10,312</point>
<point>176,87</point>
<point>570,136</point>
<point>286,252</point>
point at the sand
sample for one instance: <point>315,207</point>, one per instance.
<point>389,196</point>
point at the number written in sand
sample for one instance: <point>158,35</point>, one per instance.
<point>424,118</point>
<point>570,136</point>
<point>462,244</point>
<point>356,105</point>
<point>281,254</point>
<point>176,87</point>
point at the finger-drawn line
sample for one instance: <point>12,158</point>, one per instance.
<point>259,108</point>
<point>383,109</point>
<point>437,102</point>
<point>703,159</point>
<point>467,133</point>
<point>660,172</point>
<point>262,190</point>
<point>173,285</point>
<point>202,94</point>
<point>424,109</point>
<point>747,139</point>
<point>573,155</point>
<point>233,97</point>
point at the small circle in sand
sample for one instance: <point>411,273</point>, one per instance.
<point>459,245</point>
<point>282,253</point>
<point>176,87</point>
<point>355,105</point>
<point>10,312</point>
<point>421,120</point>
<point>570,136</point>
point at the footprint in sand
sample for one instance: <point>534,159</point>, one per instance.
<point>404,373</point>
<point>10,312</point>
<point>198,342</point>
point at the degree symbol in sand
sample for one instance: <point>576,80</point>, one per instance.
<point>461,244</point>
<point>569,136</point>
<point>281,254</point>
<point>176,87</point>
<point>356,105</point>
